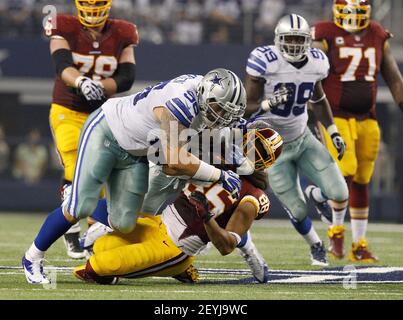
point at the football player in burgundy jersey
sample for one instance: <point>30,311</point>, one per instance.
<point>94,59</point>
<point>358,49</point>
<point>166,244</point>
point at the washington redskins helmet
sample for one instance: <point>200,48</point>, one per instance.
<point>93,13</point>
<point>351,15</point>
<point>262,146</point>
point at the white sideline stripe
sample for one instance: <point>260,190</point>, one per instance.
<point>196,291</point>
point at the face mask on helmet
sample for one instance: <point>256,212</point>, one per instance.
<point>222,98</point>
<point>262,147</point>
<point>93,13</point>
<point>351,15</point>
<point>293,37</point>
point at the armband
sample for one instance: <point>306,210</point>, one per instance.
<point>124,76</point>
<point>62,59</point>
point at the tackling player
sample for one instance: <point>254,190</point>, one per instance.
<point>286,76</point>
<point>94,59</point>
<point>166,245</point>
<point>115,142</point>
<point>358,49</point>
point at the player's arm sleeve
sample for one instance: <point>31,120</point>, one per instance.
<point>124,76</point>
<point>62,59</point>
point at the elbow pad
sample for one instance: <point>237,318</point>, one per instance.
<point>62,59</point>
<point>124,76</point>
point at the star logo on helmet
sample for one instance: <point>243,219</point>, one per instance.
<point>216,80</point>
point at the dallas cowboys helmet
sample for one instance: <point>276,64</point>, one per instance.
<point>221,97</point>
<point>293,37</point>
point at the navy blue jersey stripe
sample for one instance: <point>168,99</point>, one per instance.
<point>255,67</point>
<point>255,59</point>
<point>183,108</point>
<point>177,114</point>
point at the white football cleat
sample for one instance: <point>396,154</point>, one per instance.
<point>94,232</point>
<point>34,271</point>
<point>255,261</point>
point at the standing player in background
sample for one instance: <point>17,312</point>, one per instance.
<point>286,76</point>
<point>358,49</point>
<point>94,59</point>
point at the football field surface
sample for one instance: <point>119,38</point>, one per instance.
<point>221,278</point>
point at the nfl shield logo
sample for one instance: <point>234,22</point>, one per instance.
<point>339,41</point>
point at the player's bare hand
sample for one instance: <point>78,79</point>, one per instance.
<point>339,144</point>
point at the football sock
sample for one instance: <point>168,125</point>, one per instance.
<point>306,230</point>
<point>100,213</point>
<point>338,216</point>
<point>244,241</point>
<point>34,253</point>
<point>339,210</point>
<point>52,229</point>
<point>359,223</point>
<point>359,209</point>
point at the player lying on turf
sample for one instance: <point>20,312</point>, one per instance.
<point>115,143</point>
<point>280,81</point>
<point>165,245</point>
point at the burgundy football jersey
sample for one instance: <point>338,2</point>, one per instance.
<point>97,59</point>
<point>355,62</point>
<point>220,203</point>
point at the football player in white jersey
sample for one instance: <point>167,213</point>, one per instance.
<point>114,146</point>
<point>281,80</point>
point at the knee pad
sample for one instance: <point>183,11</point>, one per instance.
<point>296,209</point>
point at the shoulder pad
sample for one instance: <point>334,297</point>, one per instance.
<point>262,60</point>
<point>126,31</point>
<point>321,62</point>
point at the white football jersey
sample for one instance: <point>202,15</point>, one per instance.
<point>132,120</point>
<point>266,62</point>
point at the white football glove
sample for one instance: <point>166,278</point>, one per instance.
<point>91,90</point>
<point>279,97</point>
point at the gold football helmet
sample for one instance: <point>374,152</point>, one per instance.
<point>263,147</point>
<point>351,15</point>
<point>93,13</point>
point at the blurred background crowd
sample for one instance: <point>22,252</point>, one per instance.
<point>193,21</point>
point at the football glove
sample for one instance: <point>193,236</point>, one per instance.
<point>278,98</point>
<point>90,89</point>
<point>339,144</point>
<point>231,182</point>
<point>199,201</point>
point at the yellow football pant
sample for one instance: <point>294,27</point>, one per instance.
<point>146,251</point>
<point>66,126</point>
<point>362,138</point>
